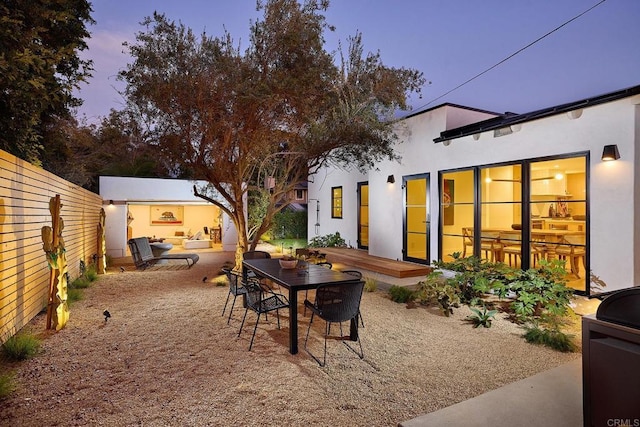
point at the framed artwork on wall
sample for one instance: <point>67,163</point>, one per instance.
<point>167,215</point>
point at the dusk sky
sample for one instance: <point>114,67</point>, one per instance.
<point>450,41</point>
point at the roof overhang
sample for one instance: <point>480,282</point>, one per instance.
<point>512,119</point>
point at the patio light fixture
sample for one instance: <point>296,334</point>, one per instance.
<point>610,152</point>
<point>391,179</point>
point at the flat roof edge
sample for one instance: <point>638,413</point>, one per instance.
<point>508,119</point>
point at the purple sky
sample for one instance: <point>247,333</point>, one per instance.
<point>449,40</point>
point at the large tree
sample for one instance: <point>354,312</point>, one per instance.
<point>39,67</point>
<point>265,118</point>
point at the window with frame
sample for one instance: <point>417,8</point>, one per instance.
<point>299,194</point>
<point>336,202</point>
<point>520,213</point>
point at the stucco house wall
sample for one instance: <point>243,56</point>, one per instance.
<point>416,136</point>
<point>613,192</point>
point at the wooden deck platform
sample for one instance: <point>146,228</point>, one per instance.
<point>361,259</point>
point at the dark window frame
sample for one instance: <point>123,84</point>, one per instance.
<point>334,206</point>
<point>525,165</point>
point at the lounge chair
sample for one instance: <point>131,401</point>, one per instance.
<point>143,256</point>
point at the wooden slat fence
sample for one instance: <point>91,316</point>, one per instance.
<point>25,191</point>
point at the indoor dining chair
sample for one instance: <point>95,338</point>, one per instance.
<point>467,240</point>
<point>489,244</point>
<point>572,247</point>
<point>511,247</point>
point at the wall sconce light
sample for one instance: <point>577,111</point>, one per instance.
<point>391,179</point>
<point>574,114</point>
<point>110,202</point>
<point>610,152</point>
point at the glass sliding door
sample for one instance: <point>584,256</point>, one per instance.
<point>501,214</point>
<point>416,218</point>
<point>457,213</point>
<point>363,215</point>
<point>520,214</point>
<point>559,221</point>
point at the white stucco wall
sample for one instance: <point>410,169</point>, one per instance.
<point>613,195</point>
<point>323,182</point>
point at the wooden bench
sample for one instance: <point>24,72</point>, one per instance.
<point>143,256</point>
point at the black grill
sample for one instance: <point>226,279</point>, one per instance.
<point>622,308</point>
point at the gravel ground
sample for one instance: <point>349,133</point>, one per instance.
<point>166,357</point>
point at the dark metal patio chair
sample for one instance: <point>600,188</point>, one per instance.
<point>235,289</point>
<point>255,255</point>
<point>325,264</point>
<point>357,274</point>
<point>261,301</point>
<point>335,303</point>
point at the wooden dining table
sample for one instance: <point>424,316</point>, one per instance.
<point>295,280</point>
<point>502,236</point>
<point>552,235</point>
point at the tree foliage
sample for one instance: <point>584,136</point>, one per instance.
<point>271,114</point>
<point>80,153</point>
<point>39,67</point>
<point>123,151</point>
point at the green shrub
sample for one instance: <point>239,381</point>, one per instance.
<point>370,284</point>
<point>540,295</point>
<point>91,274</point>
<point>481,317</point>
<point>289,224</point>
<point>80,283</point>
<point>537,291</point>
<point>7,384</point>
<point>74,295</point>
<point>401,294</point>
<point>21,347</point>
<point>328,241</point>
<point>552,338</point>
<point>476,277</point>
<point>540,291</point>
<point>436,290</point>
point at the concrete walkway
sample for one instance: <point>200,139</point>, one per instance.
<point>550,398</point>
